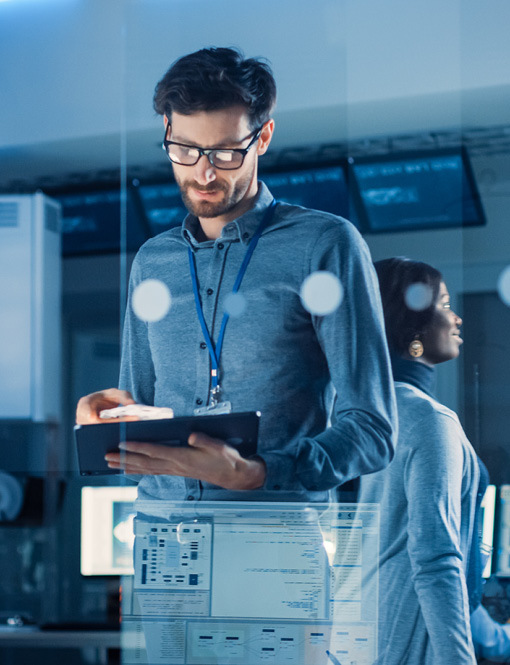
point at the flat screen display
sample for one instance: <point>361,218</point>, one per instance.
<point>93,222</point>
<point>107,538</point>
<point>406,191</point>
<point>503,531</point>
<point>162,205</point>
<point>320,188</point>
<point>488,512</point>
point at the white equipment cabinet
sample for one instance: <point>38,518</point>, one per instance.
<point>30,308</point>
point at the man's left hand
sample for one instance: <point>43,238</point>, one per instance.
<point>206,459</point>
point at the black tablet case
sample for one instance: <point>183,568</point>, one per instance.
<point>239,430</point>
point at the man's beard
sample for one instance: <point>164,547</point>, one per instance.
<point>209,209</point>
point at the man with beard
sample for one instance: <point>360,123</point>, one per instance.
<point>300,369</point>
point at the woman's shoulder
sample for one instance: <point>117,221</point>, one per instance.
<point>419,411</point>
<point>431,439</point>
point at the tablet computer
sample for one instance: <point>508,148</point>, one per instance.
<point>239,430</point>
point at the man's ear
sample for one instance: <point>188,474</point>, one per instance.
<point>166,121</point>
<point>265,137</point>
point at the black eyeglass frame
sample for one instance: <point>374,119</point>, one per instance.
<point>207,151</point>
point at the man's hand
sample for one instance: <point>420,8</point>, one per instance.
<point>90,406</point>
<point>206,459</point>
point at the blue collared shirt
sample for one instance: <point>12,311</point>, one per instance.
<point>322,383</point>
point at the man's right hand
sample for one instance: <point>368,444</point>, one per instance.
<point>90,406</point>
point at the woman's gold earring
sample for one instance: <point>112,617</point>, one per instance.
<point>416,348</point>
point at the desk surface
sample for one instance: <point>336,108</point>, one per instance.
<point>30,638</point>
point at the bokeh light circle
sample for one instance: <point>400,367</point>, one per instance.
<point>321,293</point>
<point>235,304</point>
<point>151,300</point>
<point>418,296</point>
<point>504,285</point>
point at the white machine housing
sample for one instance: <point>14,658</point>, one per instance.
<point>30,308</point>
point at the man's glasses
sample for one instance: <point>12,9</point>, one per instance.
<point>227,159</point>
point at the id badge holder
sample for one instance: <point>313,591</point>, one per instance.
<point>214,409</point>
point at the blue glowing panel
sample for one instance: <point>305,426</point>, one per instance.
<point>417,191</point>
<point>162,205</point>
<point>99,221</point>
<point>320,188</point>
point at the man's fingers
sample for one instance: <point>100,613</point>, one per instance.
<point>133,470</point>
<point>152,450</point>
<point>130,459</point>
<point>120,396</point>
<point>90,406</point>
<point>200,440</point>
<point>85,413</point>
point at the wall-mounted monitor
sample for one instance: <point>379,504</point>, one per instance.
<point>320,187</point>
<point>162,206</point>
<point>107,538</point>
<point>100,221</point>
<point>488,512</point>
<point>503,533</point>
<point>416,190</point>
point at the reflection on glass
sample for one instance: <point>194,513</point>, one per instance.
<point>235,304</point>
<point>321,293</point>
<point>418,296</point>
<point>151,300</point>
<point>248,583</point>
<point>504,285</point>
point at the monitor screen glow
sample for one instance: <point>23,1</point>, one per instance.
<point>406,191</point>
<point>503,558</point>
<point>99,221</point>
<point>488,511</point>
<point>320,188</point>
<point>162,205</point>
<point>107,538</point>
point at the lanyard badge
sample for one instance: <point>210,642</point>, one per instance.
<point>216,406</point>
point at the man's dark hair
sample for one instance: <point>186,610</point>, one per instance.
<point>217,78</point>
<point>403,324</point>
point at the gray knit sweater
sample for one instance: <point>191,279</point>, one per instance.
<point>427,500</point>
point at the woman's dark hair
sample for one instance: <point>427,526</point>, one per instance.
<point>403,324</point>
<point>217,78</point>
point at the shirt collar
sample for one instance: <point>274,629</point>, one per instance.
<point>241,228</point>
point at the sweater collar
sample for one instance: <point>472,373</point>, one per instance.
<point>417,374</point>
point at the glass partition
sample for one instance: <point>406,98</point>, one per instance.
<point>370,96</point>
<point>247,583</point>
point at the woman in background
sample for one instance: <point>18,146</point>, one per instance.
<point>428,494</point>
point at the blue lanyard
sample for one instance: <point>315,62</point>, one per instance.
<point>215,352</point>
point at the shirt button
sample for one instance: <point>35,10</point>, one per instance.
<point>191,497</point>
<point>210,292</point>
<point>199,401</point>
<point>246,236</point>
<point>220,245</point>
<point>203,345</point>
<point>277,487</point>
